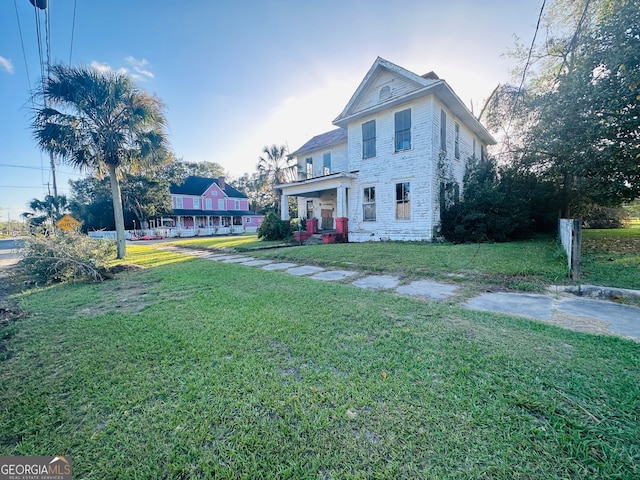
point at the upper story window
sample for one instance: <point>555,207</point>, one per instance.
<point>326,163</point>
<point>221,204</point>
<point>237,204</point>
<point>403,201</point>
<point>309,167</point>
<point>443,130</point>
<point>208,204</point>
<point>196,203</point>
<point>369,204</point>
<point>369,139</point>
<point>403,130</point>
<point>457,143</point>
<point>179,202</point>
<point>473,153</point>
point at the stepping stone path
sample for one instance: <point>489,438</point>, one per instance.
<point>426,288</point>
<point>333,275</point>
<point>304,270</point>
<point>616,318</point>
<point>377,282</point>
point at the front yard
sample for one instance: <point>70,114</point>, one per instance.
<point>196,369</point>
<point>610,258</point>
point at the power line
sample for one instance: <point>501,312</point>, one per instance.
<point>36,168</point>
<point>528,62</point>
<point>24,53</point>
<point>27,187</point>
<point>73,29</point>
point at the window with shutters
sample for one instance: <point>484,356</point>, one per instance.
<point>403,130</point>
<point>369,139</point>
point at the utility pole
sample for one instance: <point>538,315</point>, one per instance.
<point>54,176</point>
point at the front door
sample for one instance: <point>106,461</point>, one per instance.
<point>327,219</point>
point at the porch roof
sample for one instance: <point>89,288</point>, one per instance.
<point>319,184</point>
<point>213,213</point>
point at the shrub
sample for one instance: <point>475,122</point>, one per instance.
<point>66,257</point>
<point>499,205</point>
<point>605,217</point>
<point>298,224</point>
<point>272,228</point>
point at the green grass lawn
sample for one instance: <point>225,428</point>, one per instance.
<point>610,258</point>
<point>526,265</point>
<point>195,369</point>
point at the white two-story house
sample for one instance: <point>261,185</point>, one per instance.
<point>401,139</point>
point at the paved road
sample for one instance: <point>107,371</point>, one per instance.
<point>9,251</point>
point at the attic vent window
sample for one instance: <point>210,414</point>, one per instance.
<point>385,92</point>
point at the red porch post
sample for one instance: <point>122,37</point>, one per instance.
<point>342,228</point>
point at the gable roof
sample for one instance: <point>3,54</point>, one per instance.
<point>324,140</point>
<point>419,86</point>
<point>194,185</point>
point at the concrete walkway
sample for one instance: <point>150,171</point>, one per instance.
<point>559,306</point>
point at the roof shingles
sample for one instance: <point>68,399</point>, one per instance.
<point>198,185</point>
<point>324,140</point>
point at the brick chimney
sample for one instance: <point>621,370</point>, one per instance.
<point>221,183</point>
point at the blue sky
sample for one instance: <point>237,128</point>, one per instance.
<point>236,76</point>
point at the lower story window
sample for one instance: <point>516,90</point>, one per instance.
<point>403,201</point>
<point>237,220</point>
<point>369,204</point>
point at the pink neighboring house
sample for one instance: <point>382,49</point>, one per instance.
<point>202,202</point>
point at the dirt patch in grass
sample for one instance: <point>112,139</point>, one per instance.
<point>615,245</point>
<point>125,294</point>
<point>580,324</point>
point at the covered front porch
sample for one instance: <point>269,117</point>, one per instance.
<point>322,201</point>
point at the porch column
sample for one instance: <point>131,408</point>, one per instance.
<point>284,207</point>
<point>342,202</point>
<point>342,221</point>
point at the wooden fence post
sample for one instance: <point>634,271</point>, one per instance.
<point>576,249</point>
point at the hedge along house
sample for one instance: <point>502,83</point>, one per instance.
<point>403,141</point>
<point>208,206</point>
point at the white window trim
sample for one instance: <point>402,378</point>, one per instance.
<point>395,202</point>
<point>374,203</point>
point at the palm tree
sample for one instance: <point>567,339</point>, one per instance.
<point>46,211</point>
<point>101,122</point>
<point>275,168</point>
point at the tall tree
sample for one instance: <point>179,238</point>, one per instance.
<point>146,197</point>
<point>274,169</point>
<point>91,202</point>
<point>178,170</point>
<point>575,122</point>
<point>100,121</point>
<point>587,134</point>
<point>46,211</point>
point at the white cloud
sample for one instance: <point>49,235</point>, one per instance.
<point>292,121</point>
<point>5,64</point>
<point>140,67</point>
<point>136,70</point>
<point>105,67</point>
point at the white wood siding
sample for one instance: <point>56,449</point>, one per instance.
<point>387,169</point>
<point>398,87</point>
<point>339,160</point>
